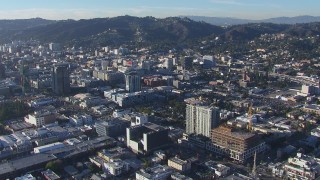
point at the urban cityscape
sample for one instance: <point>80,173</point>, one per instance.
<point>154,98</point>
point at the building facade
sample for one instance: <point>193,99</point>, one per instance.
<point>112,128</point>
<point>179,164</point>
<point>158,172</point>
<point>239,146</point>
<point>133,82</point>
<point>147,137</point>
<point>60,79</point>
<point>201,119</point>
<point>302,167</point>
<point>41,117</point>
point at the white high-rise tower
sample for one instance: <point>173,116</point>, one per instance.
<point>201,119</point>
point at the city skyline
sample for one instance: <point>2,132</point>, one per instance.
<point>82,9</point>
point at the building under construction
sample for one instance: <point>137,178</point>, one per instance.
<point>239,146</point>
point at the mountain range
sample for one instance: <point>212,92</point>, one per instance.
<point>222,21</point>
<point>124,29</point>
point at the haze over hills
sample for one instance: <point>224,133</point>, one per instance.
<point>113,30</point>
<point>123,29</point>
<point>220,21</point>
<point>6,25</point>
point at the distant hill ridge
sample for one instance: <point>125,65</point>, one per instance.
<point>124,29</point>
<point>236,21</point>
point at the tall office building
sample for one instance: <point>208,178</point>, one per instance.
<point>2,70</point>
<point>133,82</point>
<point>54,47</point>
<point>187,62</point>
<point>168,63</point>
<point>60,79</point>
<point>201,119</point>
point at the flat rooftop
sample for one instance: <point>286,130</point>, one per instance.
<point>236,134</point>
<point>153,127</point>
<point>50,174</point>
<point>23,163</point>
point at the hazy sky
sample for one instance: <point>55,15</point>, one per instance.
<point>85,9</point>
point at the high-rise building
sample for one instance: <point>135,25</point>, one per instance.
<point>208,61</point>
<point>60,79</point>
<point>168,63</point>
<point>187,62</point>
<point>54,47</point>
<point>2,70</point>
<point>201,119</point>
<point>309,90</point>
<point>133,82</point>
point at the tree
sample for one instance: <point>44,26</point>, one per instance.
<point>146,163</point>
<point>13,109</point>
<point>54,165</point>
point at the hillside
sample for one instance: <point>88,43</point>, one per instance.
<point>126,29</point>
<point>116,30</point>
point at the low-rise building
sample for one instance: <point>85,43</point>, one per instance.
<point>116,167</point>
<point>179,164</point>
<point>219,169</point>
<point>49,147</point>
<point>302,167</point>
<point>41,102</point>
<point>113,153</point>
<point>311,108</point>
<point>42,117</point>
<point>80,119</point>
<point>50,175</point>
<point>178,176</point>
<point>14,144</point>
<point>24,177</point>
<point>157,172</point>
<point>316,132</point>
<point>276,169</point>
<point>113,128</point>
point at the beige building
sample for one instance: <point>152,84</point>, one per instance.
<point>41,117</point>
<point>178,164</point>
<point>237,145</point>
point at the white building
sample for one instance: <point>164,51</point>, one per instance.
<point>168,63</point>
<point>120,112</point>
<point>116,167</point>
<point>219,169</point>
<point>308,90</point>
<point>41,102</point>
<point>25,177</point>
<point>302,167</point>
<point>54,47</point>
<point>157,172</point>
<point>48,147</point>
<point>179,164</point>
<point>316,132</point>
<point>139,119</point>
<point>80,119</point>
<point>41,117</point>
<point>201,119</point>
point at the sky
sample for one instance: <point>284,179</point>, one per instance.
<point>87,9</point>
